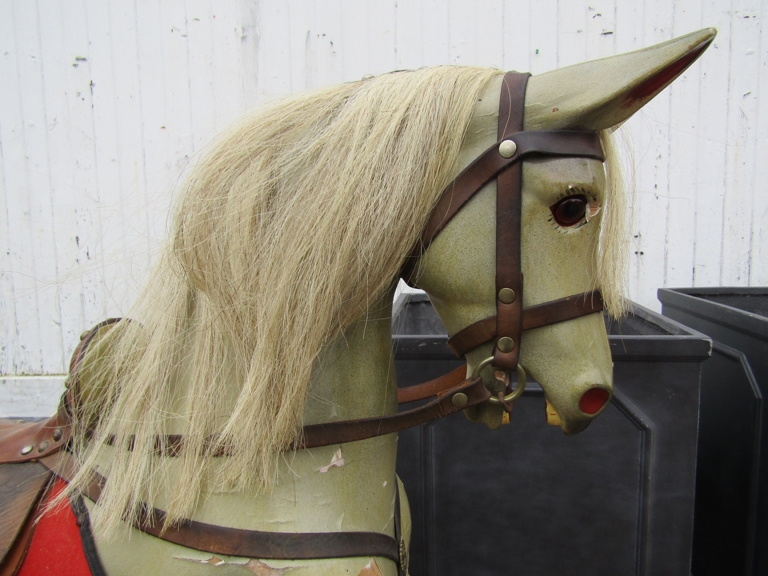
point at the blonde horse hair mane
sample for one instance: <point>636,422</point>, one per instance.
<point>297,219</point>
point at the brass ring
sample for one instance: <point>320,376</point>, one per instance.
<point>479,368</point>
<point>512,396</point>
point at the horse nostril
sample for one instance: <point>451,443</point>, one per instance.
<point>592,400</point>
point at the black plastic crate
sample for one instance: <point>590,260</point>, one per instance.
<point>528,500</point>
<point>731,527</point>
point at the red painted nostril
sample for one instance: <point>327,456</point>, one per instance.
<point>592,400</point>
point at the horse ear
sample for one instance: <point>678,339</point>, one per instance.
<point>603,93</point>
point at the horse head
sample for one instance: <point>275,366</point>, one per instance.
<point>571,229</point>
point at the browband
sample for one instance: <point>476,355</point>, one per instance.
<point>563,143</point>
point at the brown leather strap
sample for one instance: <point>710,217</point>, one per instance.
<point>22,442</point>
<point>474,393</point>
<point>537,316</point>
<point>566,143</point>
<point>87,539</point>
<point>12,560</point>
<point>22,486</point>
<point>433,387</point>
<point>443,389</point>
<point>509,315</point>
<point>238,542</point>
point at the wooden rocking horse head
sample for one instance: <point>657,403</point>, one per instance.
<point>568,238</point>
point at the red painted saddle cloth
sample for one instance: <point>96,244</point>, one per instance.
<point>57,547</point>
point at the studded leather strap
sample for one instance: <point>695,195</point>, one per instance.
<point>538,143</point>
<point>545,314</point>
<point>503,161</point>
<point>239,542</point>
<point>509,279</point>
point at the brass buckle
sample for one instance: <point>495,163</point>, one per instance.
<point>512,396</point>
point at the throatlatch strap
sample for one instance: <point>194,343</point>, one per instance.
<point>509,281</point>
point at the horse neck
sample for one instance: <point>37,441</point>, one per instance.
<point>348,487</point>
<point>354,375</point>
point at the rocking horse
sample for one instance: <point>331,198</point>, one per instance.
<point>244,421</point>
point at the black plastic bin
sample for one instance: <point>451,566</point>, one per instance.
<point>616,499</point>
<point>731,527</point>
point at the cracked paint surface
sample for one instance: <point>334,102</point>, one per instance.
<point>256,567</point>
<point>370,569</point>
<point>336,460</point>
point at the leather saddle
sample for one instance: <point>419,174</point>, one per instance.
<point>28,453</point>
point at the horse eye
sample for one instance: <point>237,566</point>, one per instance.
<point>570,210</point>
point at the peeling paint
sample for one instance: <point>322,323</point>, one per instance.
<point>370,569</point>
<point>337,460</point>
<point>212,561</point>
<point>253,566</point>
<point>592,210</point>
<point>261,569</point>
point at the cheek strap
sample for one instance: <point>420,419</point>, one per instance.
<point>509,277</point>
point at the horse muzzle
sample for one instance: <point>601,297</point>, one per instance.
<point>579,411</point>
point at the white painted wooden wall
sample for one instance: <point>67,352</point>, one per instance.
<point>104,104</point>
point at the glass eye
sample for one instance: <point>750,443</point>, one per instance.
<point>569,211</point>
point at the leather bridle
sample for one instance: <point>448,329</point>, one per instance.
<point>454,392</point>
<point>449,393</point>
<point>502,161</point>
